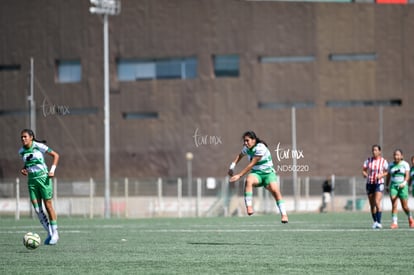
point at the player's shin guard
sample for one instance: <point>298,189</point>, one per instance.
<point>55,235</point>
<point>281,205</point>
<point>394,217</point>
<point>53,225</point>
<point>248,201</point>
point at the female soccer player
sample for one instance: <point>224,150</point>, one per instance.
<point>412,175</point>
<point>398,176</point>
<point>261,172</point>
<point>375,170</point>
<point>39,181</point>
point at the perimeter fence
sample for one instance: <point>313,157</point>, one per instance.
<point>177,197</point>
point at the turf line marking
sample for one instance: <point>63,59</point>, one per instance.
<point>25,231</point>
<point>263,230</point>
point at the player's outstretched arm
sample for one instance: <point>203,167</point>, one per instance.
<point>245,170</point>
<point>233,164</point>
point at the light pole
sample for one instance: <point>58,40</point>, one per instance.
<point>30,98</point>
<point>105,8</point>
<point>189,157</point>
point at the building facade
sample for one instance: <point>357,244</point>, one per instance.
<point>192,76</point>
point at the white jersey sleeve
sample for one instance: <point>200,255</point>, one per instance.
<point>261,150</point>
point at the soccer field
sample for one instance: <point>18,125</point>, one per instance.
<point>340,243</point>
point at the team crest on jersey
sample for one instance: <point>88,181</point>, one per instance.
<point>28,157</point>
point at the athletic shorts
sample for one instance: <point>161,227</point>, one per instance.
<point>264,179</point>
<point>374,187</point>
<point>40,188</point>
<point>401,193</point>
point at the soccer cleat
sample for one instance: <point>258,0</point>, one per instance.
<point>394,226</point>
<point>374,225</point>
<point>47,240</point>
<point>379,226</point>
<point>284,219</point>
<point>250,210</point>
<point>54,239</point>
<point>411,222</point>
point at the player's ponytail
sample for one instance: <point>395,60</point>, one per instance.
<point>252,135</point>
<point>31,133</point>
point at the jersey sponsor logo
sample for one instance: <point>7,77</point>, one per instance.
<point>29,157</point>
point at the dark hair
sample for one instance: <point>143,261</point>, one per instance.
<point>252,135</point>
<point>376,146</point>
<point>398,150</point>
<point>31,133</point>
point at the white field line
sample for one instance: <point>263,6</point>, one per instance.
<point>262,230</point>
<point>41,230</point>
<point>206,228</point>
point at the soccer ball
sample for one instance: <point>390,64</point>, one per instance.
<point>31,240</point>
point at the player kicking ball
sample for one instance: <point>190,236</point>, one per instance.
<point>39,181</point>
<point>261,172</point>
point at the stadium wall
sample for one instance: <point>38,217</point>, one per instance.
<point>208,114</point>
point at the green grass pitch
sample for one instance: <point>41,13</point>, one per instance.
<point>341,243</point>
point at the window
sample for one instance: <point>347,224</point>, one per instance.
<point>139,115</point>
<point>167,68</point>
<point>68,71</point>
<point>226,65</point>
<point>12,67</point>
<point>286,59</point>
<point>189,68</point>
<point>131,70</point>
<point>15,112</point>
<point>353,57</point>
<point>364,103</point>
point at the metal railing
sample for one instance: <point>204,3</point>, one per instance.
<point>175,197</point>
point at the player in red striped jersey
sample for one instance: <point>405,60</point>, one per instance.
<point>375,170</point>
